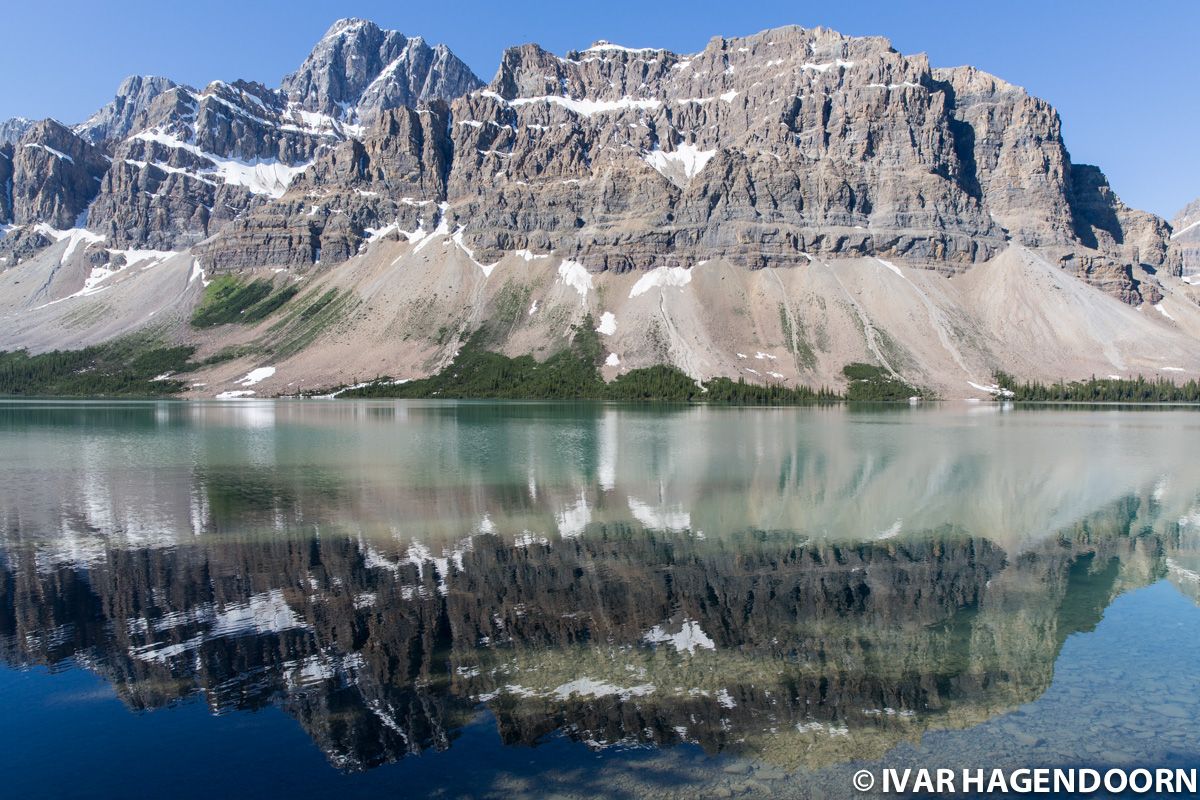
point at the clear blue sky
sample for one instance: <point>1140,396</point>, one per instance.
<point>1122,74</point>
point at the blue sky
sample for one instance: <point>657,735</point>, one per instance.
<point>1123,75</point>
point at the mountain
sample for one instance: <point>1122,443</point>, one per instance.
<point>769,150</point>
<point>186,161</point>
<point>358,70</point>
<point>128,112</point>
<point>773,208</point>
<point>13,129</point>
<point>1186,236</point>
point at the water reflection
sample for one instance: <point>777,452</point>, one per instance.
<point>802,587</point>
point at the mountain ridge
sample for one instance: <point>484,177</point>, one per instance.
<point>791,152</point>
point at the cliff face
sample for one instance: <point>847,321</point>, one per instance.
<point>783,178</point>
<point>769,150</point>
<point>54,176</point>
<point>394,172</point>
<point>1185,237</point>
<point>764,150</point>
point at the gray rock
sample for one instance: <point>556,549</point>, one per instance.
<point>395,177</point>
<point>206,158</point>
<point>6,183</point>
<point>1185,239</point>
<point>128,112</point>
<point>197,161</point>
<point>13,129</point>
<point>55,175</point>
<point>358,70</point>
<point>762,150</point>
<point>20,244</point>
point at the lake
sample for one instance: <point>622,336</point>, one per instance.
<point>404,598</point>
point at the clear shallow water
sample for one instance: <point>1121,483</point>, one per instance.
<point>509,599</point>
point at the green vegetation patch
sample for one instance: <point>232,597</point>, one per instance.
<point>795,339</point>
<point>867,382</point>
<point>570,374</point>
<point>297,330</point>
<point>228,298</point>
<point>1102,390</point>
<point>268,305</point>
<point>573,374</point>
<point>318,305</point>
<point>125,368</point>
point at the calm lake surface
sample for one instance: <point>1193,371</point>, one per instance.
<point>313,599</point>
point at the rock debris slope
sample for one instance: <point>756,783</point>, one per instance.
<point>771,207</point>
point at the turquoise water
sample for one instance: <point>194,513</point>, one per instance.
<point>472,599</point>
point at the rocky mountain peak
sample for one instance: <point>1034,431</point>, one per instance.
<point>13,129</point>
<point>127,112</point>
<point>1188,217</point>
<point>358,69</point>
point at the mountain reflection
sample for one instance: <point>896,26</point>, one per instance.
<point>806,587</point>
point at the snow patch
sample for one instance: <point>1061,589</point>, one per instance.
<point>267,176</point>
<point>608,324</point>
<point>603,45</point>
<point>527,539</point>
<point>528,255</point>
<point>661,277</point>
<point>74,237</point>
<point>256,376</point>
<point>198,273</point>
<point>458,240</point>
<point>826,66</point>
<point>993,389</point>
<point>688,639</point>
<point>56,153</point>
<point>1174,235</point>
<point>262,613</point>
<point>893,530</point>
<point>890,266</point>
<point>589,687</point>
<point>685,159</point>
<point>613,360</point>
<point>574,520</point>
<point>661,518</point>
<point>587,107</point>
<point>422,238</point>
<point>576,275</point>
